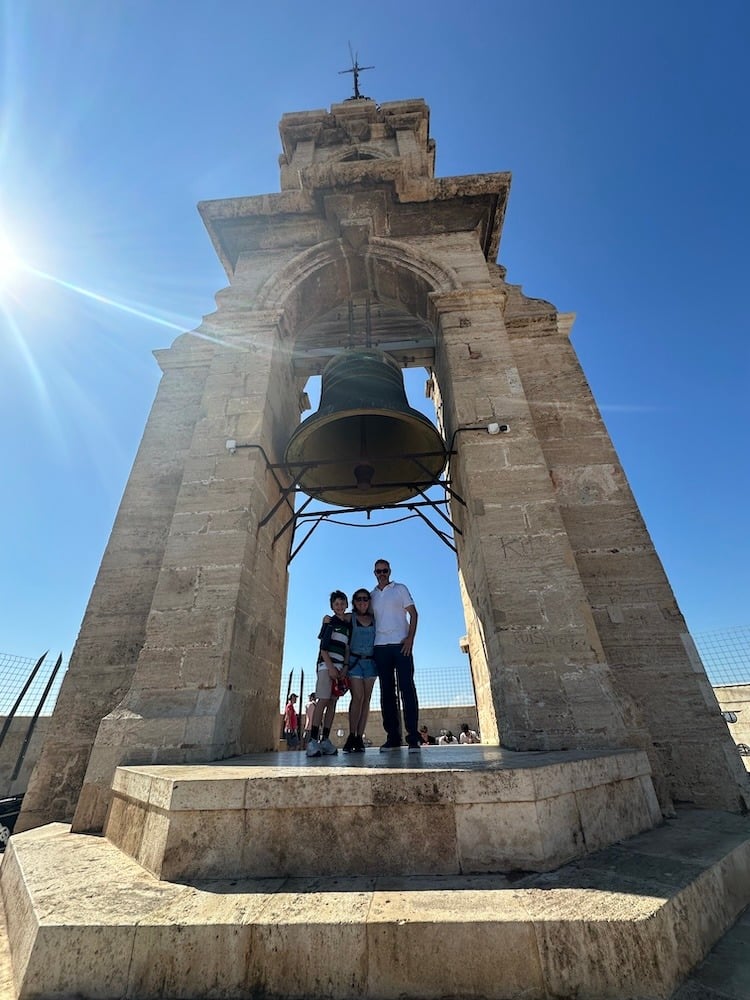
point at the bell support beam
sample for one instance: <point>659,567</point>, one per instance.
<point>301,514</point>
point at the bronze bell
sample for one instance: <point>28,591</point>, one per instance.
<point>365,445</point>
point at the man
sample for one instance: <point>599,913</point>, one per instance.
<point>395,628</point>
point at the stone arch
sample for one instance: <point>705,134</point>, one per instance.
<point>361,151</point>
<point>315,280</point>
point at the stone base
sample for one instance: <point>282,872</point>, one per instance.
<point>444,811</point>
<point>85,920</point>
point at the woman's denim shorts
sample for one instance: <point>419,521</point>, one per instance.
<point>364,668</point>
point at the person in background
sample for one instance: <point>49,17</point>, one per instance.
<point>446,738</point>
<point>362,671</point>
<point>309,712</point>
<point>333,659</point>
<point>290,724</point>
<point>424,736</point>
<point>468,735</point>
<point>395,628</point>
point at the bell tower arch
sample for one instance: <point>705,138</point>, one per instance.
<point>575,638</point>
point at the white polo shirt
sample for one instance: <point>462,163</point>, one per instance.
<point>389,608</point>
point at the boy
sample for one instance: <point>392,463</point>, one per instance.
<point>333,660</point>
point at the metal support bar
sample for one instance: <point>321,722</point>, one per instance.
<point>441,534</point>
<point>19,699</point>
<point>295,517</point>
<point>294,553</point>
<point>297,469</point>
<point>35,718</point>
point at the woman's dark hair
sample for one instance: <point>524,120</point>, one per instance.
<point>338,595</point>
<point>362,592</point>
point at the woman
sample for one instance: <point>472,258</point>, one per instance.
<point>362,671</point>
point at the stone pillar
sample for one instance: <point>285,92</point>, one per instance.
<point>207,678</point>
<point>540,672</point>
<point>654,662</point>
<point>114,626</point>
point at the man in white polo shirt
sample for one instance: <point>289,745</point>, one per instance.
<point>395,627</point>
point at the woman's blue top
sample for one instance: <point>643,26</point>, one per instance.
<point>363,640</point>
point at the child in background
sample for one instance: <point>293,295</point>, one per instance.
<point>290,723</point>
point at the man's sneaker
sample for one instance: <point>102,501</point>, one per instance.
<point>359,745</point>
<point>313,748</point>
<point>351,743</point>
<point>388,746</point>
<point>327,748</point>
<point>415,747</point>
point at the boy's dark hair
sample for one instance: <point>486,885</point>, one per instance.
<point>338,594</point>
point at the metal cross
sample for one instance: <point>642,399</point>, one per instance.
<point>355,69</point>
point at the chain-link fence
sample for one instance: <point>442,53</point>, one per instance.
<point>437,687</point>
<point>725,654</point>
<point>18,673</point>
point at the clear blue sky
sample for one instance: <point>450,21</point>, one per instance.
<point>625,127</point>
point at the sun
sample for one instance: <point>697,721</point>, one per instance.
<point>11,264</point>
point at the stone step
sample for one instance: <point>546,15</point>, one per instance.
<point>629,921</point>
<point>445,811</point>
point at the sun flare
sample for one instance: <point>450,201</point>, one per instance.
<point>11,263</point>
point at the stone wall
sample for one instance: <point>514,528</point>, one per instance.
<point>736,698</point>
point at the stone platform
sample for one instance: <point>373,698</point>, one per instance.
<point>627,922</point>
<point>444,811</point>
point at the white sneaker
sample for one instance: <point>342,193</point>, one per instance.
<point>327,748</point>
<point>313,748</point>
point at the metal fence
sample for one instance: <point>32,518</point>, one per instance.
<point>725,654</point>
<point>437,687</point>
<point>17,673</point>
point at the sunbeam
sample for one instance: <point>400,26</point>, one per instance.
<point>103,299</point>
<point>11,265</point>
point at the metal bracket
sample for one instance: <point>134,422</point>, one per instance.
<point>302,515</point>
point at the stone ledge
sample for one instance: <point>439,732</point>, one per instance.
<point>477,810</point>
<point>629,921</point>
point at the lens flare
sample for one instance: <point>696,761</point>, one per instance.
<point>11,264</point>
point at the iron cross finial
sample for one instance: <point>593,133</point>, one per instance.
<point>355,70</point>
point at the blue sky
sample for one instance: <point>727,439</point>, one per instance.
<point>625,127</point>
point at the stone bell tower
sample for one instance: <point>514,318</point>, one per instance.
<point>576,641</point>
